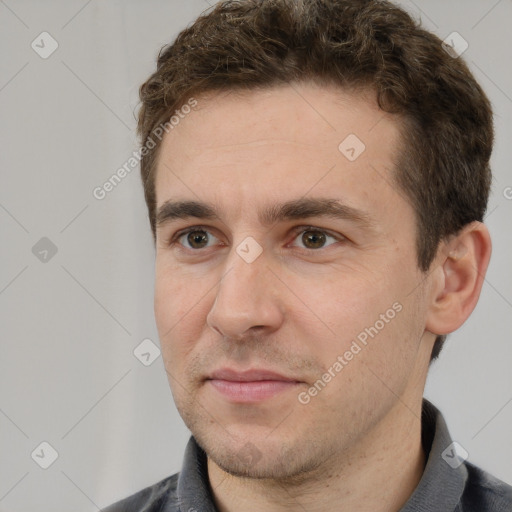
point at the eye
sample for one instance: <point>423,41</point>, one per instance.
<point>314,238</point>
<point>196,238</point>
<point>309,238</point>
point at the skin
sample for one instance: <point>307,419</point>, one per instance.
<point>299,306</point>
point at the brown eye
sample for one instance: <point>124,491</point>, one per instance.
<point>313,239</point>
<point>197,239</point>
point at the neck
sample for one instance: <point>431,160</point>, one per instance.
<point>379,474</point>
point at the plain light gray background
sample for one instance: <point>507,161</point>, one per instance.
<point>68,375</point>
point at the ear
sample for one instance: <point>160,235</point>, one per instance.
<point>458,276</point>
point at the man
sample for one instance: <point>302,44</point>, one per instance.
<point>316,174</point>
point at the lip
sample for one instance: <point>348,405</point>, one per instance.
<point>249,386</point>
<point>252,375</point>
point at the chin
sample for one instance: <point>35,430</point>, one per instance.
<point>259,457</point>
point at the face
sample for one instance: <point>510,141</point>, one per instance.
<point>289,305</point>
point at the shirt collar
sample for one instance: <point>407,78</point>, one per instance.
<point>443,472</point>
<point>445,475</point>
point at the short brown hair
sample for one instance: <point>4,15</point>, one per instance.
<point>443,164</point>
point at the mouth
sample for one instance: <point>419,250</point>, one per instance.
<point>249,386</point>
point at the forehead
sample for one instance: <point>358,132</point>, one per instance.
<point>280,143</point>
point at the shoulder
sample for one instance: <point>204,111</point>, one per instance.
<point>484,492</point>
<point>149,499</point>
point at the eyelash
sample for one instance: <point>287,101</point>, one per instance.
<point>296,232</point>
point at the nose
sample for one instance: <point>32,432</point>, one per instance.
<point>246,299</point>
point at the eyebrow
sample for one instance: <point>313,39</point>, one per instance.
<point>291,210</point>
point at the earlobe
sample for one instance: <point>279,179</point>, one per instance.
<point>462,263</point>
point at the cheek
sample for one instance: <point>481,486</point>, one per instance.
<point>347,304</point>
<point>165,304</point>
<point>370,312</point>
<point>175,294</point>
<point>177,305</point>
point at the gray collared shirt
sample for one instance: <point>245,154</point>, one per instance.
<point>448,484</point>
